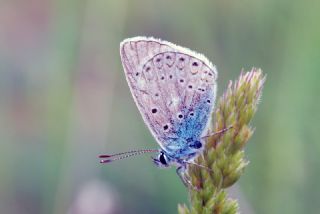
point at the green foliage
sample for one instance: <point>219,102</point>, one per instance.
<point>223,154</point>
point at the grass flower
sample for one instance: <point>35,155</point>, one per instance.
<point>224,152</point>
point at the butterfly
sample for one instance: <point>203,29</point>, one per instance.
<point>174,89</point>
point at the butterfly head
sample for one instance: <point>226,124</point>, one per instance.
<point>162,160</point>
<point>165,159</point>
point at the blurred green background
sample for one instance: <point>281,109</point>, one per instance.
<point>64,100</point>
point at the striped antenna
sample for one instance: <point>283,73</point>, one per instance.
<point>122,155</point>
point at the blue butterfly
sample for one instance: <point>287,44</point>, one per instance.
<point>174,89</point>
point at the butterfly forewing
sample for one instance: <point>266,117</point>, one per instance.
<point>173,87</point>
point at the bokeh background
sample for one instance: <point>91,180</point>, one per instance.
<point>64,100</point>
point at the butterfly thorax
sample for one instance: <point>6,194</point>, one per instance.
<point>179,155</point>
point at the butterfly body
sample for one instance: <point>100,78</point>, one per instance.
<point>174,89</point>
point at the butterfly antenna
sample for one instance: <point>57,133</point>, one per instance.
<point>218,132</point>
<point>122,155</point>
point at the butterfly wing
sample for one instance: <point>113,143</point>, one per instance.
<point>173,87</point>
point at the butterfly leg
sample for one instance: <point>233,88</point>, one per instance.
<point>181,173</point>
<point>185,180</point>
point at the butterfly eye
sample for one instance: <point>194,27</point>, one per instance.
<point>162,159</point>
<point>191,114</point>
<point>208,101</point>
<point>154,110</point>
